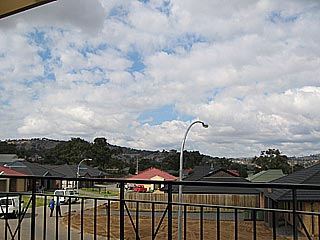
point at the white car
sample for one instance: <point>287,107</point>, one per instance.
<point>11,206</point>
<point>66,194</point>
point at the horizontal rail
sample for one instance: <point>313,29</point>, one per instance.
<point>97,215</point>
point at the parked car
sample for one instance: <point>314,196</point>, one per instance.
<point>140,188</point>
<point>66,194</point>
<point>11,206</point>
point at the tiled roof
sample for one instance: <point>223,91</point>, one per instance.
<point>207,174</point>
<point>153,172</point>
<point>8,171</point>
<point>35,169</point>
<point>7,158</point>
<point>28,168</point>
<point>71,170</point>
<point>266,176</point>
<point>310,175</point>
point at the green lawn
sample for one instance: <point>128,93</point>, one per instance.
<point>101,192</point>
<point>39,201</point>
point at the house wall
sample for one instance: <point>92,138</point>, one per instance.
<point>13,185</point>
<point>4,184</point>
<point>157,186</point>
<point>151,186</point>
<point>68,184</point>
<point>20,185</point>
<point>209,199</point>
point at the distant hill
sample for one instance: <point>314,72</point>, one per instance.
<point>107,156</point>
<point>34,143</point>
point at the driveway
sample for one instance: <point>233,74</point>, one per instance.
<point>45,228</point>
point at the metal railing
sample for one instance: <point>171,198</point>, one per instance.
<point>154,216</point>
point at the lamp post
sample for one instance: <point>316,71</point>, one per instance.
<point>78,170</point>
<point>180,176</point>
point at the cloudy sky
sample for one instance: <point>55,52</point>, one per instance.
<point>140,72</point>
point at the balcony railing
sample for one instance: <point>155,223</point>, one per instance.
<point>131,215</point>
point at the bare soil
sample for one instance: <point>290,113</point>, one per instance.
<point>227,228</point>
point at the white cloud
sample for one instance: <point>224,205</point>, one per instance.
<point>248,68</point>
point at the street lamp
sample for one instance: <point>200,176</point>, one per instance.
<point>78,170</point>
<point>180,176</point>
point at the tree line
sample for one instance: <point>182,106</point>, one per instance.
<point>106,156</point>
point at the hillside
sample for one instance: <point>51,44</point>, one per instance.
<point>105,156</point>
<point>108,157</point>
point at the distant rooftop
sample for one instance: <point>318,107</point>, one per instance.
<point>266,176</point>
<point>8,158</point>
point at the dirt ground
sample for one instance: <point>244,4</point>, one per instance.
<point>245,228</point>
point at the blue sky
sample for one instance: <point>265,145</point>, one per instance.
<point>140,72</point>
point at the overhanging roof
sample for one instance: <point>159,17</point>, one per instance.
<point>10,7</point>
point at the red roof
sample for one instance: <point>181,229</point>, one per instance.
<point>9,171</point>
<point>153,172</point>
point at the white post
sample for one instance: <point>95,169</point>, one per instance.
<point>78,170</point>
<point>180,176</point>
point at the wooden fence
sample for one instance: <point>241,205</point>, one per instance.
<point>207,199</point>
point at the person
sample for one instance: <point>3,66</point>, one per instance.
<point>51,206</point>
<point>58,207</point>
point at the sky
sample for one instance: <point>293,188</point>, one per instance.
<point>139,73</point>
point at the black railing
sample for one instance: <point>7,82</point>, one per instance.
<point>132,215</point>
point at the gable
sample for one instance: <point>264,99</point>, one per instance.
<point>158,178</point>
<point>220,173</point>
<point>150,173</point>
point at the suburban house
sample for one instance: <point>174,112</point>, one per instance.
<point>70,171</point>
<point>65,171</point>
<point>153,174</point>
<point>266,176</point>
<point>307,200</point>
<point>35,169</point>
<point>12,184</point>
<point>231,196</point>
<point>211,195</point>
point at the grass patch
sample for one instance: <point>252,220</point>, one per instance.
<point>102,192</point>
<point>40,201</point>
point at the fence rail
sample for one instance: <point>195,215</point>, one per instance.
<point>154,215</point>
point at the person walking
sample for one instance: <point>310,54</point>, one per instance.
<point>51,206</point>
<point>58,207</point>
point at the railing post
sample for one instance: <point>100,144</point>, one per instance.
<point>69,218</point>
<point>33,209</point>
<point>185,222</point>
<point>122,202</point>
<point>236,224</point>
<point>152,220</point>
<point>95,219</point>
<point>218,223</point>
<point>137,220</point>
<point>109,216</point>
<point>274,226</point>
<point>44,236</point>
<point>81,218</point>
<point>294,209</point>
<point>254,213</point>
<point>170,211</point>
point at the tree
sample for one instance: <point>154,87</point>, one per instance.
<point>272,159</point>
<point>6,148</point>
<point>101,153</point>
<point>70,152</point>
